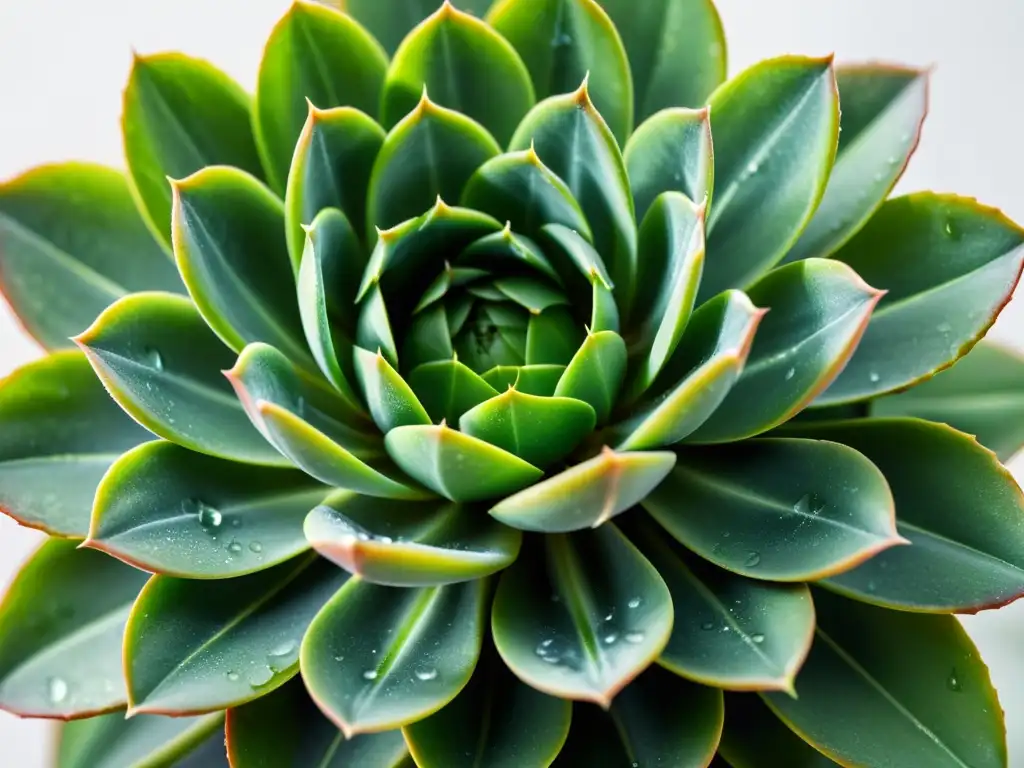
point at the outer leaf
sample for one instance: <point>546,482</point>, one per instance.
<point>57,422</point>
<point>457,466</point>
<point>561,41</point>
<point>961,511</point>
<point>61,623</point>
<point>180,115</point>
<point>658,719</point>
<point>730,631</point>
<point>330,169</point>
<point>229,242</point>
<point>540,430</point>
<point>391,401</point>
<point>883,111</point>
<point>591,629</point>
<point>390,24</point>
<point>671,152</point>
<point>752,731</point>
<point>410,545</point>
<point>704,367</point>
<point>308,427</point>
<point>915,683</point>
<point>379,657</point>
<point>285,729</point>
<point>466,66</point>
<point>595,373</point>
<point>588,494</point>
<point>818,313</point>
<point>144,741</point>
<point>198,646</point>
<point>168,510</point>
<point>787,506</point>
<point>982,395</point>
<point>571,137</point>
<point>317,54</point>
<point>431,153</point>
<point>160,362</point>
<point>676,51</point>
<point>775,127</point>
<point>964,255</point>
<point>448,389</point>
<point>495,721</point>
<point>71,241</point>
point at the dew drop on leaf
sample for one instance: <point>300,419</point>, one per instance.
<point>156,360</point>
<point>234,547</point>
<point>944,328</point>
<point>790,373</point>
<point>260,676</point>
<point>610,638</point>
<point>284,648</point>
<point>256,547</point>
<point>953,682</point>
<point>57,689</point>
<point>370,674</point>
<point>634,602</point>
<point>634,637</point>
<point>426,674</point>
<point>758,638</point>
<point>753,560</point>
<point>874,377</point>
<point>232,676</point>
<point>707,626</point>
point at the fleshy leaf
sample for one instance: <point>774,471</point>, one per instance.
<point>143,741</point>
<point>982,395</point>
<point>376,658</point>
<point>561,42</point>
<point>314,54</point>
<point>883,110</point>
<point>59,433</point>
<point>331,169</point>
<point>161,363</point>
<point>540,430</point>
<point>671,152</point>
<point>730,631</point>
<point>390,24</point>
<point>431,153</point>
<point>676,51</point>
<point>71,242</point>
<point>285,728</point>
<point>787,506</point>
<point>965,256</point>
<point>961,511</point>
<point>753,731</point>
<point>198,646</point>
<point>529,379</point>
<point>173,511</point>
<point>775,128</point>
<point>181,114</point>
<point>571,137</point>
<point>588,494</point>
<point>704,368</point>
<point>659,719</point>
<point>457,466</point>
<point>595,373</point>
<point>448,389</point>
<point>390,399</point>
<point>61,623</point>
<point>591,629</point>
<point>466,66</point>
<point>915,683</point>
<point>495,721</point>
<point>227,224</point>
<point>818,310</point>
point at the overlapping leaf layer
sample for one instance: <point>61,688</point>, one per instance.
<point>520,393</point>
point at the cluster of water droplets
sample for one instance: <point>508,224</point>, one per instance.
<point>212,521</point>
<point>280,658</point>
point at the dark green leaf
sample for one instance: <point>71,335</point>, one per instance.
<point>61,623</point>
<point>775,128</point>
<point>588,494</point>
<point>402,544</point>
<point>595,373</point>
<point>379,657</point>
<point>778,509</point>
<point>391,22</point>
<point>591,629</point>
<point>59,433</point>
<point>755,738</point>
<point>964,255</point>
<point>448,389</point>
<point>818,311</point>
<point>529,379</point>
<point>961,510</point>
<point>181,114</point>
<point>915,683</point>
<point>552,337</point>
<point>198,646</point>
<point>286,730</point>
<point>160,361</point>
<point>314,54</point>
<point>144,741</point>
<point>71,242</point>
<point>505,252</point>
<point>173,511</point>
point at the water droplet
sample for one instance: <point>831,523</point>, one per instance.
<point>726,628</point>
<point>339,657</point>
<point>385,539</point>
<point>610,638</point>
<point>232,676</point>
<point>953,682</point>
<point>944,327</point>
<point>790,373</point>
<point>753,560</point>
<point>893,160</point>
<point>256,547</point>
<point>57,688</point>
<point>635,602</point>
<point>363,537</point>
<point>634,637</point>
<point>260,676</point>
<point>874,377</point>
<point>951,230</point>
<point>156,360</point>
<point>208,517</point>
<point>707,626</point>
<point>234,547</point>
<point>753,167</point>
<point>284,648</point>
<point>809,504</point>
<point>872,586</point>
<point>758,638</point>
<point>609,617</point>
<point>426,674</point>
<point>879,176</point>
<point>370,674</point>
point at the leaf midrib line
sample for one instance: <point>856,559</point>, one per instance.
<point>577,598</point>
<point>93,627</point>
<point>1017,570</point>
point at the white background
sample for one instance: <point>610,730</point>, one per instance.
<point>63,64</point>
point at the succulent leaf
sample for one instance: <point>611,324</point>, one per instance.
<point>390,22</point>
<point>448,389</point>
<point>753,731</point>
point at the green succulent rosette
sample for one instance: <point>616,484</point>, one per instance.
<point>501,386</point>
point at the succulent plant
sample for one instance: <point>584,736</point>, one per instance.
<point>500,386</point>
